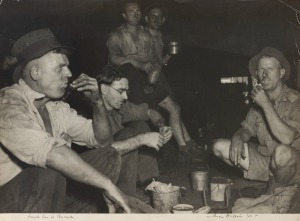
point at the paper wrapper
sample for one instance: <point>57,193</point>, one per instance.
<point>159,187</point>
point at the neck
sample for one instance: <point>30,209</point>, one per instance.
<point>107,106</point>
<point>273,95</point>
<point>40,104</point>
<point>130,28</point>
<point>153,32</point>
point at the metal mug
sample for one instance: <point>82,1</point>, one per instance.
<point>174,47</point>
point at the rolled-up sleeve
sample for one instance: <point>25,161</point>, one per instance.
<point>78,128</point>
<point>292,117</point>
<point>23,137</point>
<point>250,122</point>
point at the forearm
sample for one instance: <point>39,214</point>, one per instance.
<point>165,59</point>
<point>128,145</point>
<point>242,134</point>
<point>156,118</point>
<point>66,161</point>
<point>282,131</point>
<point>101,125</point>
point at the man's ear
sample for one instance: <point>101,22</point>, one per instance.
<point>123,14</point>
<point>282,72</point>
<point>34,72</point>
<point>164,19</point>
<point>103,89</point>
<point>147,18</point>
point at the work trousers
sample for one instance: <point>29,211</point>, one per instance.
<point>137,165</point>
<point>40,190</point>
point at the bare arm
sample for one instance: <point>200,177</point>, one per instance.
<point>101,124</point>
<point>282,131</point>
<point>66,161</point>
<point>165,59</point>
<point>150,139</point>
<point>156,118</point>
<point>236,149</point>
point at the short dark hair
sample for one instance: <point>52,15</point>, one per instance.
<point>109,74</point>
<point>156,6</point>
<point>126,2</point>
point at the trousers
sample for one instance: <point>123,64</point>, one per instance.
<point>137,165</point>
<point>40,190</point>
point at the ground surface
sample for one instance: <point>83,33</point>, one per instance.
<point>179,174</point>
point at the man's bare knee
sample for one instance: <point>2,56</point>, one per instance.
<point>282,155</point>
<point>219,147</point>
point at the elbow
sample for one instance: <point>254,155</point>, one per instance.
<point>104,142</point>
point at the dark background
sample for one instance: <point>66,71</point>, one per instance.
<point>218,37</point>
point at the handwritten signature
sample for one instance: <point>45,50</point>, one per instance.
<point>49,216</point>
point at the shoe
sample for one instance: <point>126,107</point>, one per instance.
<point>184,156</point>
<point>241,183</point>
<point>187,153</point>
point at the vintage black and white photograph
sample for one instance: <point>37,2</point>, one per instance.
<point>158,107</point>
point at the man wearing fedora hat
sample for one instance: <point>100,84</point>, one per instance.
<point>36,161</point>
<point>274,119</point>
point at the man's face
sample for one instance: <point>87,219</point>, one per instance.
<point>115,95</point>
<point>155,18</point>
<point>53,75</point>
<point>132,14</point>
<point>269,73</point>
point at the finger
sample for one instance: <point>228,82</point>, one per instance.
<point>243,153</point>
<point>230,155</point>
<point>126,208</point>
<point>87,88</point>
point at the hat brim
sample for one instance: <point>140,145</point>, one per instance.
<point>285,63</point>
<point>17,73</point>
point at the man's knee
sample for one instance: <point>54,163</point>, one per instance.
<point>170,105</point>
<point>134,128</point>
<point>219,147</point>
<point>283,155</point>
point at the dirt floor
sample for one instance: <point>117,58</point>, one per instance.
<point>179,174</point>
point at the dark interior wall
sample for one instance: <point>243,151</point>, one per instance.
<point>217,37</point>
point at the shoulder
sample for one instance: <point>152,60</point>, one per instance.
<point>116,32</point>
<point>292,95</point>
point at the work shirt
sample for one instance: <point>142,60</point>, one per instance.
<point>287,107</point>
<point>23,136</point>
<point>158,44</point>
<point>123,49</point>
<point>127,113</point>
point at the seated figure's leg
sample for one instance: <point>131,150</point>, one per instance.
<point>255,166</point>
<point>34,190</point>
<point>174,119</point>
<point>285,165</point>
<point>221,149</point>
<point>82,198</point>
<point>135,164</point>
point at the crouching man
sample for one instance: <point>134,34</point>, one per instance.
<point>36,161</point>
<point>274,119</point>
<point>132,136</point>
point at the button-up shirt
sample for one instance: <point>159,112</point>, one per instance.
<point>287,106</point>
<point>127,113</point>
<point>123,49</point>
<point>23,137</point>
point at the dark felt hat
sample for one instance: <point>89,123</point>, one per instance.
<point>33,45</point>
<point>270,52</point>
